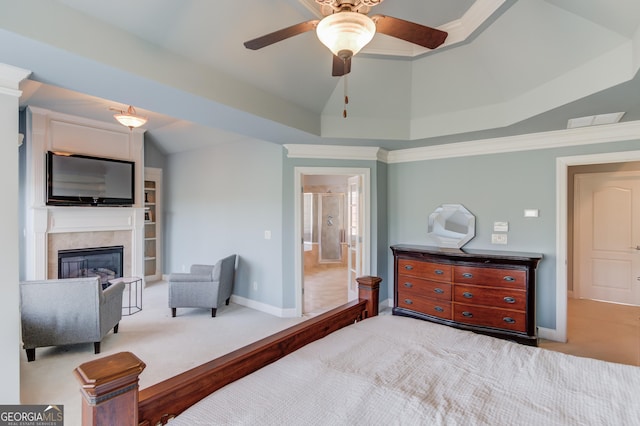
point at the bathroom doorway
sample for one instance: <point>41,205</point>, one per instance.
<point>333,213</point>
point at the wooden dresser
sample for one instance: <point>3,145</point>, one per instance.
<point>489,292</point>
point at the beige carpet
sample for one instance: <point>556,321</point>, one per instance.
<point>167,345</point>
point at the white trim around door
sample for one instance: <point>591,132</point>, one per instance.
<point>562,192</point>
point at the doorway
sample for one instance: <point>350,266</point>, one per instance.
<point>564,232</point>
<point>331,226</point>
<point>324,243</point>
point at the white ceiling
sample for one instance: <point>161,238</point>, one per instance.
<point>508,67</point>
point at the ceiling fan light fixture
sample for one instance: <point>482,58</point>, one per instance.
<point>345,33</point>
<point>130,118</point>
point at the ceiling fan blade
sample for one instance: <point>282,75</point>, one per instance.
<point>340,66</point>
<point>285,33</point>
<point>415,33</point>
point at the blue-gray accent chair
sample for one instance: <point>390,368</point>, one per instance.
<point>205,286</point>
<point>68,311</point>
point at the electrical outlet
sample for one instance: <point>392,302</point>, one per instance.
<point>498,238</point>
<point>255,286</point>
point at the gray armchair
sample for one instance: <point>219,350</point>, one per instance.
<point>68,311</point>
<point>205,286</point>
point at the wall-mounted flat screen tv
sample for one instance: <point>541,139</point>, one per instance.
<point>74,179</point>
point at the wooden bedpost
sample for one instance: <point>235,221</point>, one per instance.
<point>369,288</point>
<point>110,390</point>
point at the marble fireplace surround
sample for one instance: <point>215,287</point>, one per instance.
<point>64,228</point>
<point>48,228</point>
<point>91,239</point>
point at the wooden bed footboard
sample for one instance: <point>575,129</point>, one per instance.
<point>109,385</point>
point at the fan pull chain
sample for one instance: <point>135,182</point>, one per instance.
<point>346,97</point>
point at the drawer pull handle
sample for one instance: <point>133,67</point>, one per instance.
<point>509,320</point>
<point>408,285</point>
<point>467,314</point>
<point>438,290</point>
<point>438,309</point>
<point>509,278</point>
<point>509,299</point>
<point>408,301</point>
<point>467,295</point>
<point>438,272</point>
<point>408,267</point>
<point>467,275</point>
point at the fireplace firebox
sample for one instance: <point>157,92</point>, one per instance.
<point>103,262</point>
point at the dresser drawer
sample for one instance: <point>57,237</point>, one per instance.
<point>496,297</point>
<point>434,307</point>
<point>493,277</point>
<point>418,287</point>
<point>490,317</point>
<point>426,270</point>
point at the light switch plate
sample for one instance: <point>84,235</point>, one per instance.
<point>500,226</point>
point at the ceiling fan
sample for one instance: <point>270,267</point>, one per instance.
<point>346,28</point>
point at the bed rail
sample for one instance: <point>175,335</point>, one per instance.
<point>109,385</point>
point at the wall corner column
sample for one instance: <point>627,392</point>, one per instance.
<point>10,78</point>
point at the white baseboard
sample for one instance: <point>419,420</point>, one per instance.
<point>387,303</point>
<point>285,313</point>
<point>263,307</point>
<point>550,334</point>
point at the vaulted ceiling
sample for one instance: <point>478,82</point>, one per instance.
<point>508,67</point>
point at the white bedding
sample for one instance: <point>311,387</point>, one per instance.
<point>394,370</point>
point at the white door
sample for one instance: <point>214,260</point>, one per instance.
<point>355,220</point>
<point>607,235</point>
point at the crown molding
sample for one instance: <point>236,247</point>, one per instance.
<point>336,152</point>
<point>527,142</point>
<point>10,78</point>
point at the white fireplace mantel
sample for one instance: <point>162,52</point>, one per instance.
<point>92,219</point>
<point>48,130</point>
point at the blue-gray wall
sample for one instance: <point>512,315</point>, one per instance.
<point>378,206</point>
<point>494,187</point>
<point>153,157</point>
<point>221,200</point>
